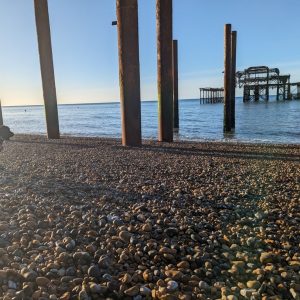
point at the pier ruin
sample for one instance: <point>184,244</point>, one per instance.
<point>258,81</point>
<point>211,95</point>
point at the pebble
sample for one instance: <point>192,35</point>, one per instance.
<point>267,257</point>
<point>172,286</point>
<point>247,293</point>
<point>203,285</point>
<point>253,284</point>
<point>158,224</point>
<point>125,236</point>
<point>42,281</point>
<point>133,291</point>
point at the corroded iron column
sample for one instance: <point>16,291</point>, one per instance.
<point>164,29</point>
<point>129,71</point>
<point>233,78</point>
<point>47,69</point>
<point>1,117</point>
<point>175,84</point>
<point>227,78</point>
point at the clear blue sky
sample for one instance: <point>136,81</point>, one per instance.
<point>85,45</point>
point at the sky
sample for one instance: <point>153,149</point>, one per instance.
<point>85,46</point>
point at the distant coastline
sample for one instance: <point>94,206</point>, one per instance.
<point>88,103</point>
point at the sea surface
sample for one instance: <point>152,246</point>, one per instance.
<point>266,122</point>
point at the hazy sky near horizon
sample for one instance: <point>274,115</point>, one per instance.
<point>85,46</point>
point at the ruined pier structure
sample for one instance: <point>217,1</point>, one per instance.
<point>258,81</point>
<point>211,95</point>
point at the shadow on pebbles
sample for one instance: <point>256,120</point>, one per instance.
<point>88,219</point>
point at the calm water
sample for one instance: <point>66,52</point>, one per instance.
<point>275,122</point>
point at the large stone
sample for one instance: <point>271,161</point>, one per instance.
<point>5,133</point>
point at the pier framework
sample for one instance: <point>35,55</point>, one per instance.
<point>211,95</point>
<point>258,81</point>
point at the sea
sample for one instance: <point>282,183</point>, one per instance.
<point>275,122</point>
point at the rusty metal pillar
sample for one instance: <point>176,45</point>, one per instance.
<point>227,78</point>
<point>289,95</point>
<point>175,85</point>
<point>129,72</point>
<point>1,116</point>
<point>164,29</point>
<point>233,79</point>
<point>47,69</point>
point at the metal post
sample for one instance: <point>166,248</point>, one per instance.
<point>164,28</point>
<point>129,71</point>
<point>175,85</point>
<point>289,96</point>
<point>1,116</point>
<point>200,94</point>
<point>268,87</point>
<point>47,69</point>
<point>227,78</point>
<point>233,80</point>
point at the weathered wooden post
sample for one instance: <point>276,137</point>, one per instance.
<point>227,78</point>
<point>1,116</point>
<point>47,69</point>
<point>233,78</point>
<point>175,86</point>
<point>164,27</point>
<point>129,71</point>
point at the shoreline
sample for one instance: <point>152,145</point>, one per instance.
<point>146,141</point>
<point>87,218</point>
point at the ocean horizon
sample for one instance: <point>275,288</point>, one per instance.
<point>262,122</point>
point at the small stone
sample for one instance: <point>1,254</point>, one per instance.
<point>232,297</point>
<point>42,281</point>
<point>96,288</point>
<point>203,285</point>
<point>127,278</point>
<point>133,291</point>
<point>82,258</point>
<point>174,274</point>
<point>172,286</point>
<point>125,236</point>
<point>83,295</point>
<point>183,265</point>
<point>247,293</point>
<point>147,227</point>
<point>94,271</point>
<point>171,231</point>
<point>253,284</point>
<point>104,262</point>
<point>251,241</point>
<point>267,257</point>
<point>145,291</point>
<point>65,296</point>
<point>12,285</point>
<point>30,276</point>
<point>294,294</point>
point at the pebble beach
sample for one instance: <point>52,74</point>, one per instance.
<point>85,218</point>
